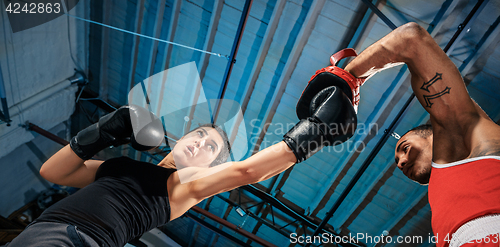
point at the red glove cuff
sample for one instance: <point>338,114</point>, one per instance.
<point>353,82</point>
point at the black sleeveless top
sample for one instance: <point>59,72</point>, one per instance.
<point>127,199</point>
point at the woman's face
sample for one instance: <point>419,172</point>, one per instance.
<point>198,148</point>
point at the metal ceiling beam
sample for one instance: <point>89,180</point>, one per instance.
<point>135,44</point>
<point>259,61</point>
<point>103,73</point>
<point>285,209</point>
<point>226,210</point>
<point>367,21</point>
<point>212,31</point>
<point>4,113</point>
<point>489,41</point>
<point>232,226</point>
<point>408,205</point>
<point>262,53</point>
<point>359,21</point>
<point>416,228</point>
<point>450,47</point>
<point>165,63</point>
<point>291,63</point>
<point>383,17</point>
<point>448,9</point>
<point>387,133</point>
<point>160,11</point>
<point>259,219</point>
<point>176,9</point>
<point>205,58</point>
<point>216,230</point>
<point>234,51</point>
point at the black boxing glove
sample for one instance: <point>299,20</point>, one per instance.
<point>128,124</point>
<point>333,121</point>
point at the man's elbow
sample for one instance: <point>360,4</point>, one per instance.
<point>413,36</point>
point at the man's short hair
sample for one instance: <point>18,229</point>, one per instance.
<point>225,150</point>
<point>424,130</point>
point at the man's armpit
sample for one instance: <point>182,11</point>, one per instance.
<point>488,147</point>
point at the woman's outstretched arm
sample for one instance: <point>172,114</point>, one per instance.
<point>259,167</point>
<point>334,111</point>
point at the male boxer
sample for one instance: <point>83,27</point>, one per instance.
<point>458,155</point>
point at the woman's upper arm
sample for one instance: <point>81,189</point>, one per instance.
<point>83,176</point>
<point>66,168</point>
<point>258,167</point>
<point>227,179</point>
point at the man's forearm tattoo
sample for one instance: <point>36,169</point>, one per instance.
<point>426,85</point>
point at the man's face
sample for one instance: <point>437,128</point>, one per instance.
<point>413,156</point>
<point>198,148</point>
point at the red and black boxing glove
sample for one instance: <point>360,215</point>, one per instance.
<point>327,77</point>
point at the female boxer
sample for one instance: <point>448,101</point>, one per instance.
<point>122,198</point>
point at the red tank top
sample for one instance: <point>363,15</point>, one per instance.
<point>461,191</point>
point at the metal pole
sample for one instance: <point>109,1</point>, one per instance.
<point>379,14</point>
<point>234,51</point>
<point>464,26</point>
<point>232,226</point>
<point>45,133</point>
<point>216,230</point>
<point>386,135</point>
<point>5,114</point>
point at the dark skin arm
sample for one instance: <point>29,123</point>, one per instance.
<point>461,128</point>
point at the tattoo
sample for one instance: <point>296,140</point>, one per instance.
<point>489,147</point>
<point>434,79</point>
<point>428,98</point>
<point>426,85</point>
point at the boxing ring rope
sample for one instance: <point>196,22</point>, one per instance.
<point>469,19</point>
<point>251,236</point>
<point>148,37</point>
